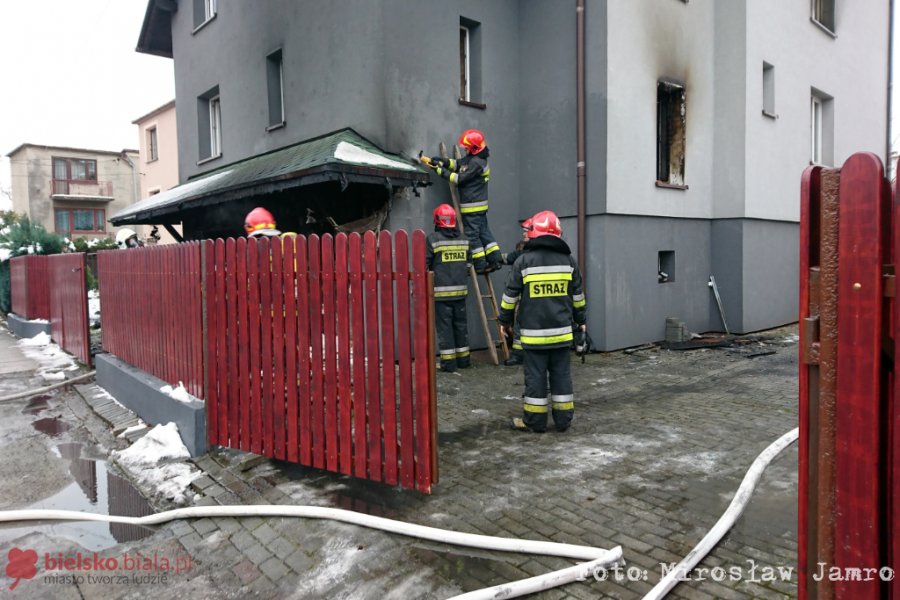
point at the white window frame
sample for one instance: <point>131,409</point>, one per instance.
<point>467,66</point>
<point>209,9</point>
<point>215,127</point>
<point>152,144</point>
<point>816,114</point>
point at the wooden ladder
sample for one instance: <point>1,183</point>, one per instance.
<point>495,313</point>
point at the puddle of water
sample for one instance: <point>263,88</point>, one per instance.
<point>51,426</point>
<point>36,404</point>
<point>94,490</point>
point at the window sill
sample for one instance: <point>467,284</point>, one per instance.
<point>276,126</point>
<point>823,27</point>
<point>770,115</point>
<point>670,186</point>
<point>209,159</point>
<point>472,104</point>
<point>203,24</point>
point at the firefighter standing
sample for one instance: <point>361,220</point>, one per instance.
<point>546,284</point>
<point>448,256</point>
<point>259,222</point>
<point>471,175</point>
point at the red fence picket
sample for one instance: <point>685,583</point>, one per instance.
<point>30,287</point>
<point>324,384</point>
<point>152,312</point>
<point>68,305</point>
<point>848,452</point>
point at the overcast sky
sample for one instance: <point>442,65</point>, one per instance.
<point>70,75</point>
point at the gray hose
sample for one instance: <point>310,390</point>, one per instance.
<point>29,393</point>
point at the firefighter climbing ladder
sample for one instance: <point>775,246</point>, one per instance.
<point>495,314</point>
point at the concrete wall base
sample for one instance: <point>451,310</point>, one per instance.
<point>139,391</point>
<point>26,329</point>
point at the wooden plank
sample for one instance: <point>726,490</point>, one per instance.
<point>893,529</point>
<point>858,462</point>
<point>328,328</point>
<point>358,348</point>
<point>221,358</point>
<point>290,349</point>
<point>304,392</point>
<point>196,292</point>
<point>211,326</point>
<point>342,329</point>
<point>432,379</point>
<point>422,364</point>
<point>278,412</point>
<point>254,379</point>
<point>315,343</point>
<point>373,385</point>
<point>234,406</point>
<point>264,252</point>
<point>388,373</point>
<point>404,361</point>
<point>242,428</point>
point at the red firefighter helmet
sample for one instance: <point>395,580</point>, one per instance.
<point>472,140</point>
<point>259,221</point>
<point>445,216</point>
<point>545,223</point>
<point>526,224</point>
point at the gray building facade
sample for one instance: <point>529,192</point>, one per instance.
<point>700,117</point>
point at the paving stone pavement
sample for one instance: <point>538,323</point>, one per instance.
<point>660,442</point>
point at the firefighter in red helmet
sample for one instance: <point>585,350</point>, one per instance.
<point>471,175</point>
<point>516,356</point>
<point>448,256</point>
<point>545,284</point>
<point>260,222</point>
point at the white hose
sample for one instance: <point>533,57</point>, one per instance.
<point>533,585</point>
<point>320,512</point>
<point>30,393</point>
<point>726,521</point>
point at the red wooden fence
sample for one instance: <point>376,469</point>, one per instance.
<point>152,316</point>
<point>68,305</point>
<point>849,409</point>
<point>320,351</point>
<point>29,286</point>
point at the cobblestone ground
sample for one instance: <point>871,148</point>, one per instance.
<point>661,441</point>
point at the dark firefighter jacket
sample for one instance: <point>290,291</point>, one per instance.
<point>447,254</point>
<point>471,174</point>
<point>546,281</point>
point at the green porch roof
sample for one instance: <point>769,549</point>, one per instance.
<point>343,156</point>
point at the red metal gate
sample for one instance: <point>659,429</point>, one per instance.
<point>320,351</point>
<point>849,418</point>
<point>152,311</point>
<point>29,287</point>
<point>68,305</point>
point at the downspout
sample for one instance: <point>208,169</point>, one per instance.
<point>890,88</point>
<point>580,125</point>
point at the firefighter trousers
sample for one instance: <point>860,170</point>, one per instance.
<point>539,364</point>
<point>485,248</point>
<point>452,333</point>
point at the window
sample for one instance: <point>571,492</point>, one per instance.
<point>74,169</point>
<point>152,146</point>
<point>470,62</point>
<point>204,11</point>
<point>821,125</point>
<point>823,13</point>
<point>80,220</point>
<point>209,124</point>
<point>670,134</point>
<point>768,90</point>
<point>665,266</point>
<point>275,77</point>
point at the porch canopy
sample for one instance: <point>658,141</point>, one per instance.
<point>343,156</point>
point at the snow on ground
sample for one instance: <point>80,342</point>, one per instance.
<point>149,461</point>
<point>51,358</point>
<point>179,393</point>
<point>93,305</point>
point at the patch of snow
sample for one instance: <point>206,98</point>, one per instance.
<point>512,397</point>
<point>4,254</point>
<point>41,339</point>
<point>161,443</point>
<point>53,375</point>
<point>149,461</point>
<point>179,393</point>
<point>40,321</point>
<point>42,350</point>
<point>133,428</point>
<point>481,411</point>
<point>603,381</point>
<point>93,304</point>
<point>348,152</point>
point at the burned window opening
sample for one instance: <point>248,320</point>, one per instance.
<point>670,133</point>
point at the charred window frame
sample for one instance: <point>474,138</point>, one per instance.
<point>470,76</point>
<point>822,14</point>
<point>671,132</point>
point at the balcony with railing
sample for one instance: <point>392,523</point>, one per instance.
<point>81,189</point>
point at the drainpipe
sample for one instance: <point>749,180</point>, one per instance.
<point>580,165</point>
<point>890,86</point>
<point>134,179</point>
